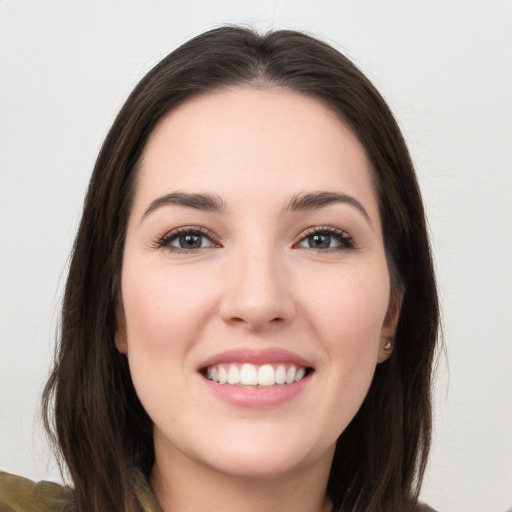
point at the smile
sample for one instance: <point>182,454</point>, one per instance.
<point>247,374</point>
<point>257,378</point>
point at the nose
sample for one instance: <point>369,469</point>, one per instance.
<point>257,292</point>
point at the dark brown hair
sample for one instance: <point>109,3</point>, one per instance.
<point>91,408</point>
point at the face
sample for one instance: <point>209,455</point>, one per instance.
<point>255,289</point>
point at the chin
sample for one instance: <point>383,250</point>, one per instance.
<point>261,457</point>
<point>260,465</point>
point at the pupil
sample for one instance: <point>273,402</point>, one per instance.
<point>190,241</point>
<point>321,241</point>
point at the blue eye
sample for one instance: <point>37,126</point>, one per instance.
<point>325,239</point>
<point>186,240</point>
<point>193,239</point>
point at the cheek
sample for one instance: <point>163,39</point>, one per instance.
<point>165,312</point>
<point>163,308</point>
<point>353,307</point>
<point>348,319</point>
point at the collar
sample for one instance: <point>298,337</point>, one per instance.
<point>143,493</point>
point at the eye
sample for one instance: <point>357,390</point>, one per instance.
<point>187,240</point>
<point>326,239</point>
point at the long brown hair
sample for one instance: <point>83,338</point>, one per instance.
<point>91,408</point>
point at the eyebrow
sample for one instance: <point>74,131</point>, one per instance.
<point>316,200</point>
<point>204,202</point>
<point>214,203</point>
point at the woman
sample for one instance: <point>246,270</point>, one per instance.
<point>250,316</point>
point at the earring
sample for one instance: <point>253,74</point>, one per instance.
<point>387,346</point>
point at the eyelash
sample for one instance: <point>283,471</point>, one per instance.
<point>173,235</point>
<point>346,242</point>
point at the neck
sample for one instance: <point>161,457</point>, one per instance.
<point>184,486</point>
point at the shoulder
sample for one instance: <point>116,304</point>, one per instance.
<point>18,494</point>
<point>423,507</point>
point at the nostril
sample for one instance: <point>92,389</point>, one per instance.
<point>239,310</point>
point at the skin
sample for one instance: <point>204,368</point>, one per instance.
<point>256,283</point>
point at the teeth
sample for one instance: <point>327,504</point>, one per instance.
<point>280,374</point>
<point>250,375</point>
<point>223,375</point>
<point>233,374</point>
<point>290,375</point>
<point>300,374</point>
<point>266,375</point>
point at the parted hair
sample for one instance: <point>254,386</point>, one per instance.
<point>91,410</point>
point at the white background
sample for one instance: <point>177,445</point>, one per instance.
<point>446,69</point>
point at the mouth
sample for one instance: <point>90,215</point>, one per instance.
<point>256,375</point>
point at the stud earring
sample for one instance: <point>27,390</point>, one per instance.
<point>387,346</point>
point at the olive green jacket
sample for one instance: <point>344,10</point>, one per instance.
<point>19,494</point>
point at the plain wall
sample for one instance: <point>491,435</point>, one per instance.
<point>446,69</point>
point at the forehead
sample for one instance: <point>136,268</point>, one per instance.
<point>247,139</point>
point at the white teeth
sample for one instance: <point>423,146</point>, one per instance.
<point>300,374</point>
<point>266,376</point>
<point>280,374</point>
<point>248,374</point>
<point>223,375</point>
<point>233,375</point>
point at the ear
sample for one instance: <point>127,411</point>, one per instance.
<point>387,336</point>
<point>120,337</point>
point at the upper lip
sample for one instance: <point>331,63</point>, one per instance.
<point>256,357</point>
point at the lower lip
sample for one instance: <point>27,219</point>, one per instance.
<point>257,396</point>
